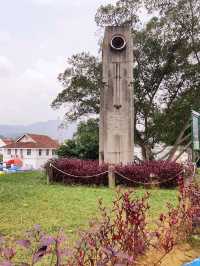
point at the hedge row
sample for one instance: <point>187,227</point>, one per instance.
<point>80,169</point>
<point>151,171</point>
<point>167,173</point>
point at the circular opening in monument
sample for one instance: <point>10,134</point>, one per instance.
<point>118,43</point>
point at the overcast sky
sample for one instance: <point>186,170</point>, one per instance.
<point>36,38</point>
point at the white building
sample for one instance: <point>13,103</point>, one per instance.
<point>186,156</point>
<point>4,142</point>
<point>32,149</point>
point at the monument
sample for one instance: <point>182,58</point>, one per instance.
<point>116,107</point>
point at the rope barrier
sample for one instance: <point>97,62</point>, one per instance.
<point>121,175</point>
<point>149,183</point>
<point>68,174</point>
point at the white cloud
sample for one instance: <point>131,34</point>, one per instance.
<point>37,38</point>
<point>74,3</point>
<point>30,94</point>
<point>6,66</point>
<point>5,37</point>
<point>43,2</point>
<point>32,75</point>
<point>43,71</point>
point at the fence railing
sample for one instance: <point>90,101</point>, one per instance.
<point>112,174</point>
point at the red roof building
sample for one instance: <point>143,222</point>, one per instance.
<point>34,150</point>
<point>33,141</point>
<point>3,142</point>
<point>8,141</point>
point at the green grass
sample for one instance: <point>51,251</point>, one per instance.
<point>26,200</point>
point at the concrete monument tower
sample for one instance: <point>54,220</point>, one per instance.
<point>116,110</point>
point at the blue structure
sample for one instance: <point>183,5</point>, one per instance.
<point>193,263</point>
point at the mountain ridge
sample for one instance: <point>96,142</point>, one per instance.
<point>51,128</point>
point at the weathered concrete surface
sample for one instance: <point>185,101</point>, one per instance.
<point>116,115</point>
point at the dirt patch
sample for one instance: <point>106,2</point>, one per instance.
<point>177,257</point>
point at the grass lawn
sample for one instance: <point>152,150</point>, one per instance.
<point>26,200</point>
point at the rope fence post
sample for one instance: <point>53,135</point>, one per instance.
<point>153,181</point>
<point>49,174</point>
<point>111,176</point>
<point>47,178</point>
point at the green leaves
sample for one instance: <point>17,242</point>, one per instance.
<point>166,68</point>
<point>82,84</point>
<point>85,143</point>
<point>120,13</point>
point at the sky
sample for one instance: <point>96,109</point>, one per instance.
<point>36,38</point>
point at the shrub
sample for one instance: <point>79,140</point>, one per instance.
<point>79,169</point>
<point>145,172</point>
<point>193,193</point>
<point>119,237</point>
<point>164,172</point>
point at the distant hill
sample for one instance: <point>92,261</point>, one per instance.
<point>50,128</point>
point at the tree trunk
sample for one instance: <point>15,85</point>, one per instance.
<point>185,148</point>
<point>178,141</point>
<point>147,153</point>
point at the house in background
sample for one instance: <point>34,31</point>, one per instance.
<point>32,149</point>
<point>4,142</point>
<point>186,155</point>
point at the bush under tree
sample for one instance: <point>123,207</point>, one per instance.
<point>85,142</point>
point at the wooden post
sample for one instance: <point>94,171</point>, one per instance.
<point>48,178</point>
<point>111,176</point>
<point>48,182</point>
<point>49,174</point>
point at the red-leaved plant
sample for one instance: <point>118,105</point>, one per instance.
<point>119,237</point>
<point>87,172</point>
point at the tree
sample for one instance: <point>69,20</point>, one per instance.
<point>166,71</point>
<point>85,142</point>
<point>82,83</point>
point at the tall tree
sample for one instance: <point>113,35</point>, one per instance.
<point>166,71</point>
<point>85,142</point>
<point>82,83</point>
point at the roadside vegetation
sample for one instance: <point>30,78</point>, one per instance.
<point>26,200</point>
<point>122,234</point>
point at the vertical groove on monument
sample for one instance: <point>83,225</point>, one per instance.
<point>116,107</point>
